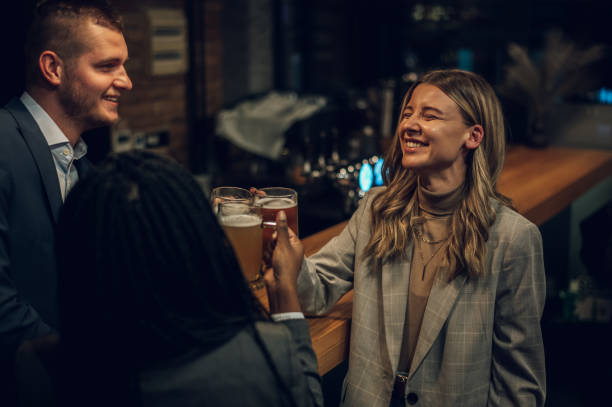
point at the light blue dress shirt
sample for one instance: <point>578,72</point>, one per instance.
<point>62,152</point>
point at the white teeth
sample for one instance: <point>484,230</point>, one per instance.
<point>413,144</point>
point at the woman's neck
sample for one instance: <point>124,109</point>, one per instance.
<point>443,180</point>
<point>438,203</point>
<point>441,183</point>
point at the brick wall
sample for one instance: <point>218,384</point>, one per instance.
<point>155,102</point>
<point>167,102</point>
<point>213,56</point>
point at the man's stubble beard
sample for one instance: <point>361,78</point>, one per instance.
<point>80,107</point>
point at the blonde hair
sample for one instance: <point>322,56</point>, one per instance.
<point>391,209</point>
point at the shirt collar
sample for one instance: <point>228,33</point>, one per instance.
<point>80,149</point>
<point>53,134</point>
<point>50,130</point>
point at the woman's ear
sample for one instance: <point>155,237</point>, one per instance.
<point>476,133</point>
<point>51,67</point>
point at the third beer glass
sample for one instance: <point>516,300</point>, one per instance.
<point>273,200</point>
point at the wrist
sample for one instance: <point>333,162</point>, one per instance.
<point>284,299</point>
<point>288,286</point>
<point>287,304</point>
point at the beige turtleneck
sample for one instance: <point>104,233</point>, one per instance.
<point>432,227</point>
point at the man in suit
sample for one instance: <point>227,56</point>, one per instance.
<point>75,55</point>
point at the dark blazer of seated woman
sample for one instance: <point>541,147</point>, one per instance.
<point>154,310</point>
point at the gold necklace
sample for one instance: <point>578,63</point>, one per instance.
<point>426,263</point>
<point>420,238</point>
<point>418,234</point>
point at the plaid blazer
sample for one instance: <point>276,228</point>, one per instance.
<point>480,342</point>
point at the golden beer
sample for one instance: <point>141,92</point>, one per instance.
<point>242,225</point>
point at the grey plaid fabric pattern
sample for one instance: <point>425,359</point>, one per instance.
<point>480,342</point>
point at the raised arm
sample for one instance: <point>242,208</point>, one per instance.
<point>281,283</point>
<point>328,274</point>
<point>281,279</point>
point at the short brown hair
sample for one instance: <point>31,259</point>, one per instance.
<point>55,27</point>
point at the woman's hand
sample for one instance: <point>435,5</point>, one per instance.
<point>281,279</point>
<point>254,191</point>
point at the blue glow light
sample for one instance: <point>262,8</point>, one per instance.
<point>378,179</point>
<point>604,96</point>
<point>366,177</point>
<point>465,59</point>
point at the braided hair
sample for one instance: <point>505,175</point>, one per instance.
<point>146,274</point>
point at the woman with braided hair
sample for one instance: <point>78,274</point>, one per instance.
<point>154,309</point>
<point>448,279</point>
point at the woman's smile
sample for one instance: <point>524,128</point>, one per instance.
<point>412,145</point>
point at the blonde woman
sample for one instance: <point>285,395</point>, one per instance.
<point>448,278</point>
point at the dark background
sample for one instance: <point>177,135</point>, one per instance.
<point>345,44</point>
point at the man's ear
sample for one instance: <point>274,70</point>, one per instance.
<point>476,133</point>
<point>51,67</point>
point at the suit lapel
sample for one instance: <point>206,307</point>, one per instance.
<point>395,280</point>
<point>441,300</point>
<point>40,153</point>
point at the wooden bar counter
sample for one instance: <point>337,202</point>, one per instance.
<point>541,183</point>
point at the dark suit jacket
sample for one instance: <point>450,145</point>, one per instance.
<point>30,200</point>
<point>236,373</point>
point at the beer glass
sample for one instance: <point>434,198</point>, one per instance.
<point>271,200</point>
<point>224,194</point>
<point>242,224</point>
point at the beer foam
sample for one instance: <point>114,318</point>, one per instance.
<point>240,221</point>
<point>276,203</point>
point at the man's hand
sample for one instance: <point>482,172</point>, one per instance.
<point>281,279</point>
